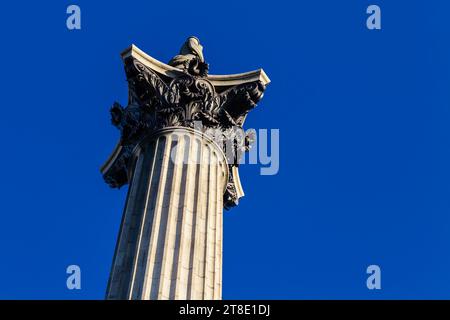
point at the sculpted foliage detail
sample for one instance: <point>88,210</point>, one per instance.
<point>156,101</point>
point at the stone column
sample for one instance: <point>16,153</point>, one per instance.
<point>174,131</point>
<point>170,242</point>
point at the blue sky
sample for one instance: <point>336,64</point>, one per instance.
<point>364,143</point>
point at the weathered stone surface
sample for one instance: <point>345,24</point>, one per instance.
<point>180,175</point>
<point>170,242</point>
<point>162,95</point>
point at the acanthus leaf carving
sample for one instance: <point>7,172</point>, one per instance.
<point>156,101</point>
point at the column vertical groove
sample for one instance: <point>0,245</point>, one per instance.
<point>199,249</point>
<point>116,276</point>
<point>140,267</point>
<point>160,223</point>
<point>217,253</point>
<point>185,217</point>
<point>196,205</point>
<point>175,220</point>
<point>210,236</point>
<point>173,197</point>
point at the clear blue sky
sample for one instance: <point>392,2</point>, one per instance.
<point>364,119</point>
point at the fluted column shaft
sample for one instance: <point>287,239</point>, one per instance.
<point>170,240</point>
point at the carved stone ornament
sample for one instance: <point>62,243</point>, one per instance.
<point>182,94</point>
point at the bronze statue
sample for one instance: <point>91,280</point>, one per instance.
<point>190,59</point>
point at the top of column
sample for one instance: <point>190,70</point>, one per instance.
<point>172,72</point>
<point>183,94</point>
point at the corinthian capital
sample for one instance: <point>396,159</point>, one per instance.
<point>181,94</point>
